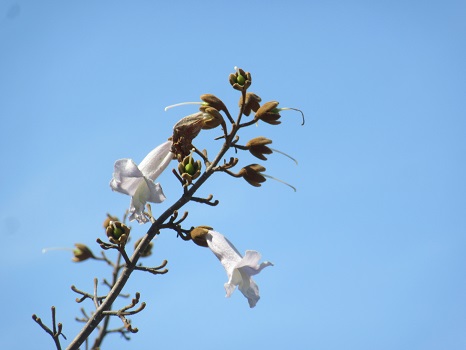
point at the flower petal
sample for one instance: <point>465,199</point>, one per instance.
<point>250,290</point>
<point>239,269</point>
<point>126,177</point>
<point>223,250</point>
<point>156,161</point>
<point>147,191</point>
<point>250,263</point>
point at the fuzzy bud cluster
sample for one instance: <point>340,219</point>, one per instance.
<point>117,233</point>
<point>240,80</point>
<point>189,169</point>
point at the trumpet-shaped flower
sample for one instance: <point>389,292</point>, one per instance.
<point>239,269</point>
<point>138,181</point>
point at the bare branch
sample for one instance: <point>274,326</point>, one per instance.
<point>57,328</point>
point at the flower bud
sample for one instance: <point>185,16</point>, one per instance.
<point>251,103</point>
<point>252,174</point>
<point>117,233</point>
<point>268,113</point>
<point>241,80</point>
<point>108,219</point>
<point>189,169</point>
<point>257,147</point>
<point>212,101</point>
<point>212,118</point>
<point>198,235</point>
<point>81,253</point>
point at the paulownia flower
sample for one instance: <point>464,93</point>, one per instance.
<point>138,181</point>
<point>239,269</point>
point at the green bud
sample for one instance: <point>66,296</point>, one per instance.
<point>189,168</point>
<point>117,232</point>
<point>240,79</point>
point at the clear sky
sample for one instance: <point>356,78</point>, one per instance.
<point>369,253</point>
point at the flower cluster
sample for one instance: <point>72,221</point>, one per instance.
<point>137,181</point>
<point>194,167</point>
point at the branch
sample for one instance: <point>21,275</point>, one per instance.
<point>130,266</point>
<point>57,328</point>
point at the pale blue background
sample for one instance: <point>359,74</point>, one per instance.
<point>369,253</point>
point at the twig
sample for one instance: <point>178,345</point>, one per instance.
<point>154,270</point>
<point>57,328</point>
<point>87,295</point>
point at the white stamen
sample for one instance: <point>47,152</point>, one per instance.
<point>46,250</point>
<point>286,155</point>
<point>283,182</point>
<point>182,104</point>
<point>293,109</point>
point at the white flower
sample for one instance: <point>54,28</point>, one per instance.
<point>138,181</point>
<point>239,269</point>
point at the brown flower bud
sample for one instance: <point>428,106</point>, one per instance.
<point>148,251</point>
<point>81,253</point>
<point>108,219</point>
<point>117,233</point>
<point>198,235</point>
<point>241,80</point>
<point>213,101</point>
<point>252,103</point>
<point>257,147</point>
<point>268,113</point>
<point>212,118</point>
<point>252,174</point>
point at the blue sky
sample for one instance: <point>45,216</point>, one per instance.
<point>369,253</point>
